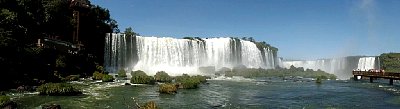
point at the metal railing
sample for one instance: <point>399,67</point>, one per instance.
<point>379,74</point>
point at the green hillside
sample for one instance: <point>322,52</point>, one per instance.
<point>390,62</point>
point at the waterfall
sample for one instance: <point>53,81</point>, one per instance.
<point>177,56</point>
<point>280,62</point>
<point>366,63</point>
<point>341,67</point>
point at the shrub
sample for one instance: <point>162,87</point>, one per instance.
<point>323,77</point>
<point>71,78</point>
<point>149,105</point>
<point>138,73</point>
<point>107,78</point>
<point>202,79</point>
<point>101,76</point>
<point>99,68</point>
<point>4,100</point>
<point>122,73</point>
<point>140,77</point>
<point>58,89</point>
<point>161,76</point>
<point>181,78</point>
<point>168,88</point>
<point>188,82</point>
<point>319,80</point>
<point>97,75</point>
<point>142,80</point>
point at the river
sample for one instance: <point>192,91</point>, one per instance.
<point>243,93</point>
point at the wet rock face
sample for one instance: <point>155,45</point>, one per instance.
<point>51,106</point>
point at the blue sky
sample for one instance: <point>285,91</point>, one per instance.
<point>301,29</point>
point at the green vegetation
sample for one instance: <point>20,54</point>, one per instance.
<point>190,82</point>
<point>140,77</point>
<point>97,75</point>
<point>281,72</point>
<point>162,76</point>
<point>189,38</point>
<point>181,78</point>
<point>72,78</point>
<point>129,32</point>
<point>107,78</point>
<point>319,80</point>
<point>102,76</point>
<point>260,45</point>
<point>194,38</point>
<point>202,79</point>
<point>23,22</point>
<point>185,82</point>
<point>168,88</point>
<point>4,100</point>
<point>58,89</point>
<point>149,105</point>
<point>390,62</point>
<point>122,73</point>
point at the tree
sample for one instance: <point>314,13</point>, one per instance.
<point>129,32</point>
<point>114,26</point>
<point>292,67</point>
<point>244,38</point>
<point>390,62</point>
<point>251,39</point>
<point>23,22</point>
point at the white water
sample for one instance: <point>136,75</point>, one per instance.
<point>366,63</point>
<point>324,65</point>
<point>177,56</point>
<point>341,67</point>
<point>234,78</point>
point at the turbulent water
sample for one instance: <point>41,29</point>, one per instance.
<point>232,93</point>
<point>177,56</point>
<point>341,67</point>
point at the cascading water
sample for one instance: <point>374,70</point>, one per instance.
<point>341,67</point>
<point>366,63</point>
<point>177,56</point>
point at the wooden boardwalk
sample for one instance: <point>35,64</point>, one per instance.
<point>374,75</point>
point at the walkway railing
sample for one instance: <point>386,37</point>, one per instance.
<point>377,74</point>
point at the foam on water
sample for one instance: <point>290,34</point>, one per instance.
<point>234,78</point>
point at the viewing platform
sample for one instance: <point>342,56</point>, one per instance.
<point>372,74</point>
